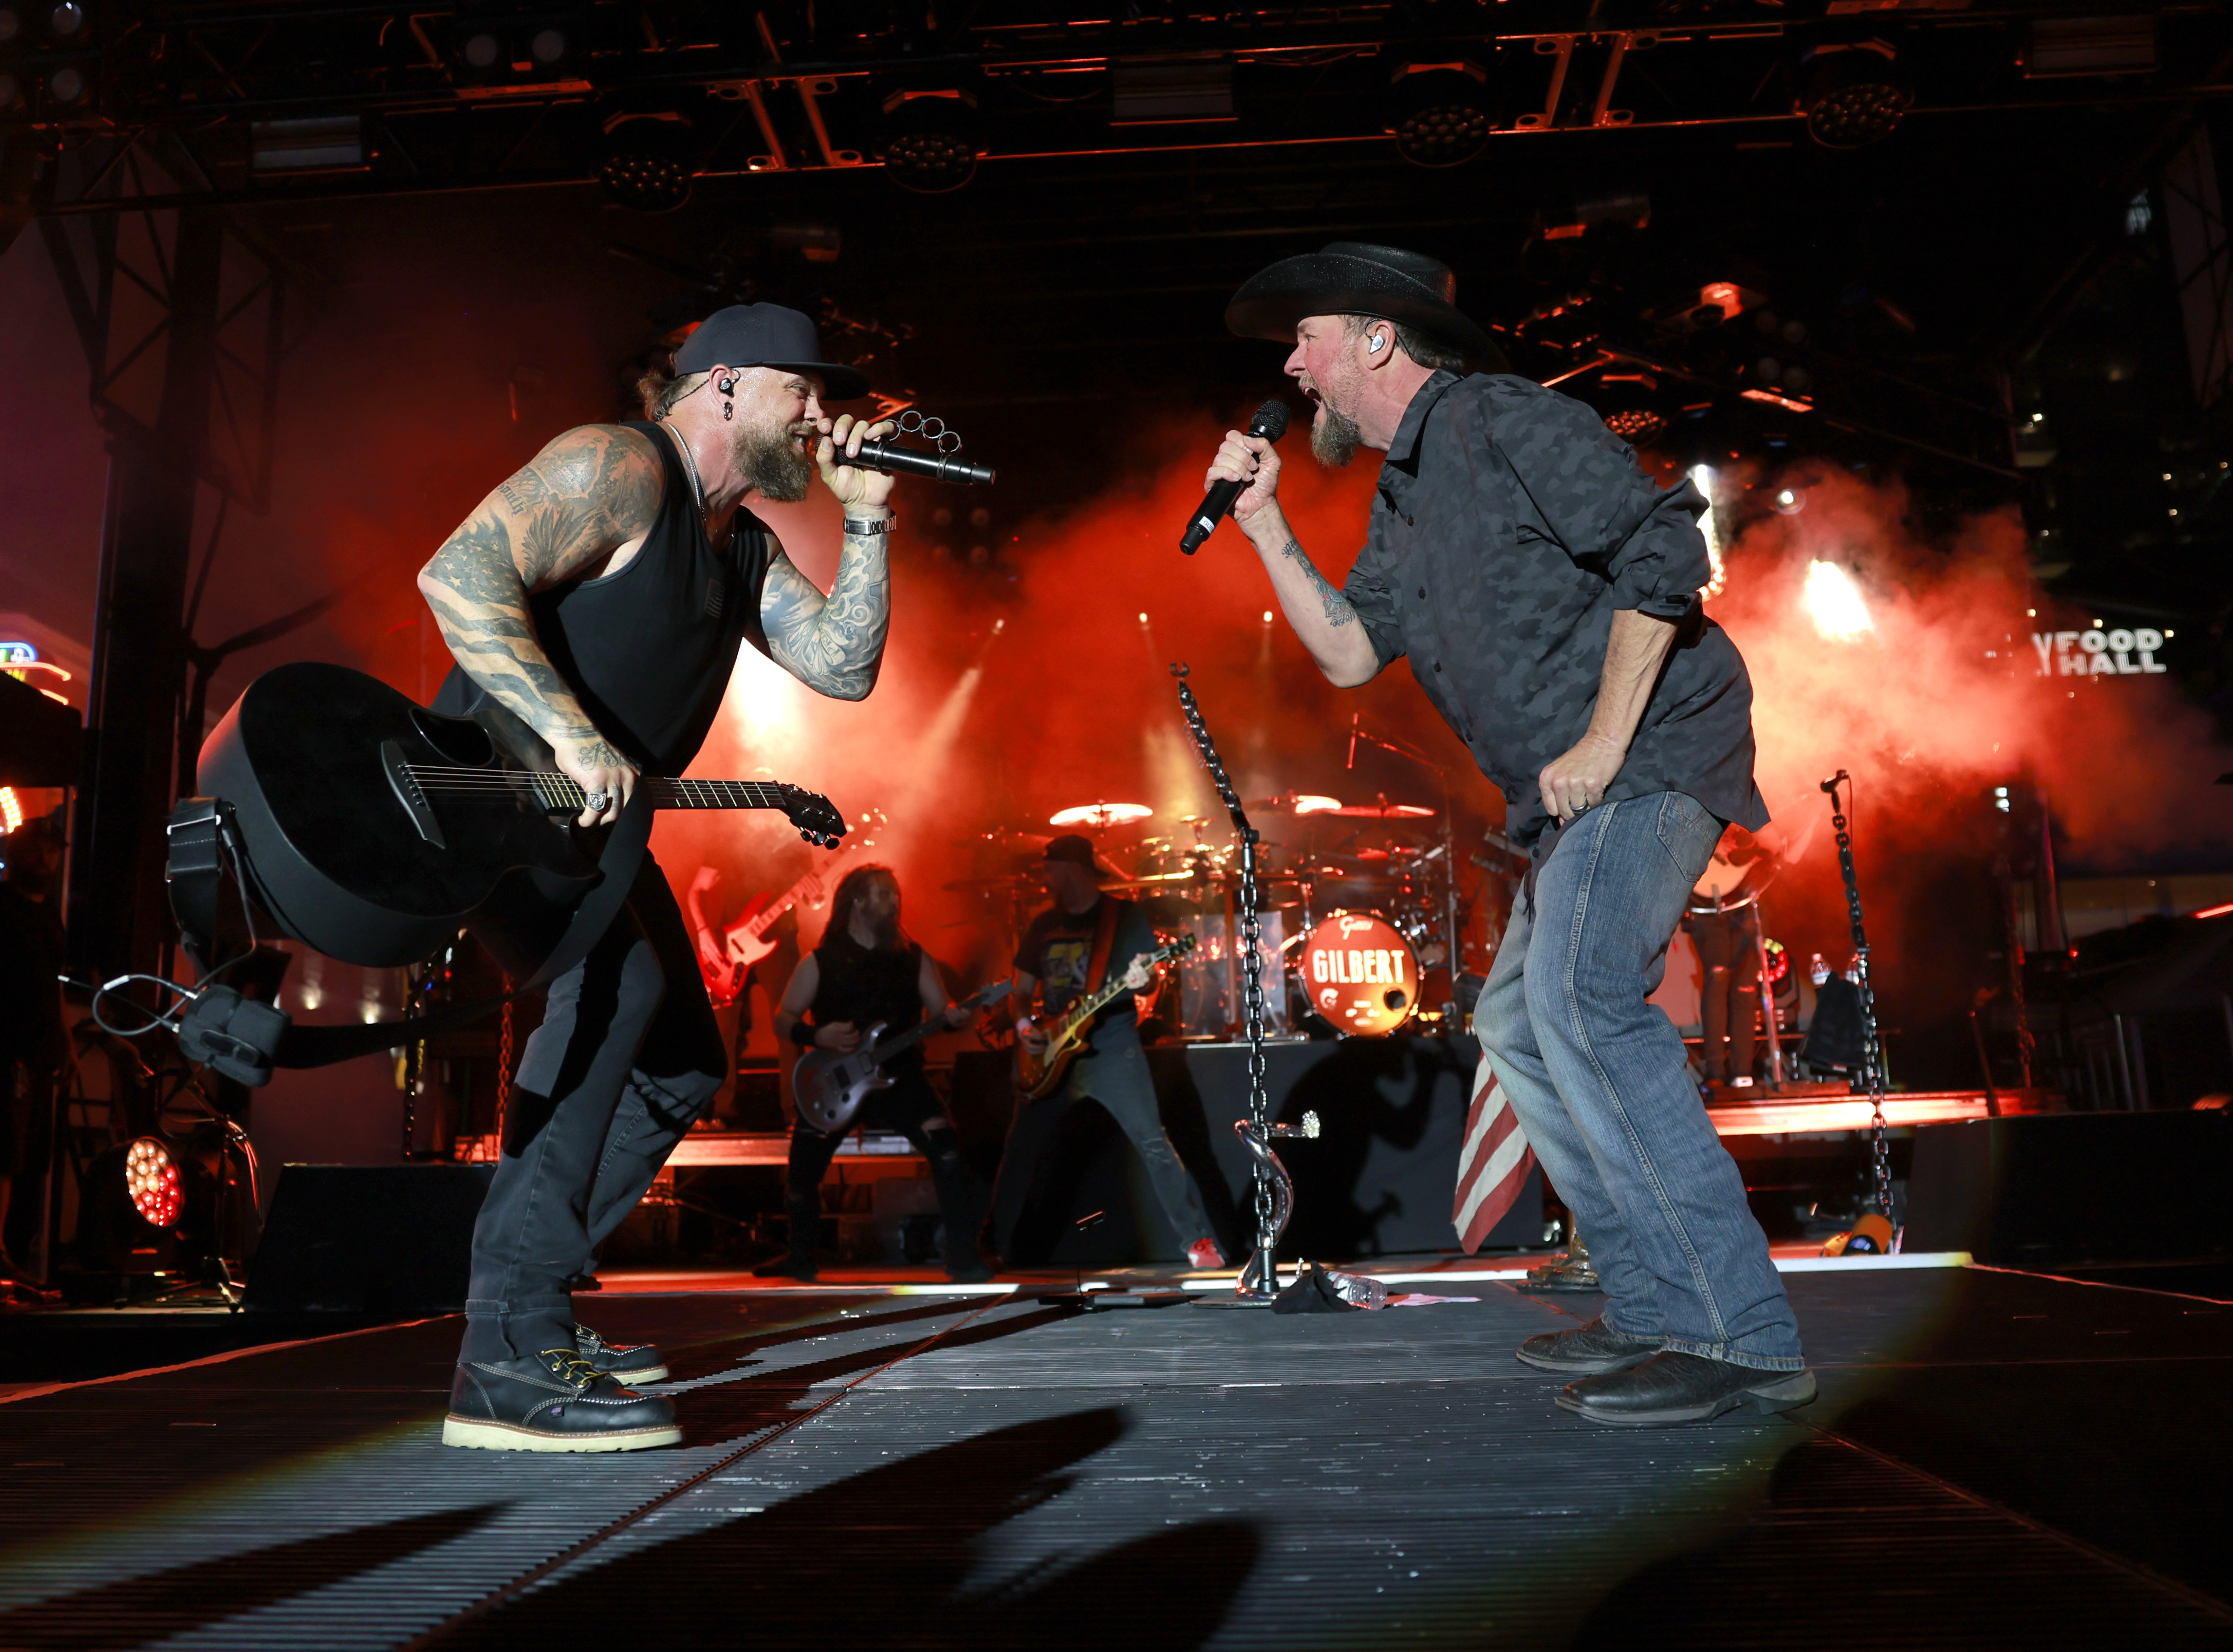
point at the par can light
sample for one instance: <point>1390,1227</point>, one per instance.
<point>152,1183</point>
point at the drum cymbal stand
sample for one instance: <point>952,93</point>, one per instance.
<point>1275,1192</point>
<point>1452,960</point>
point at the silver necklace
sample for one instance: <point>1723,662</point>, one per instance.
<point>697,483</point>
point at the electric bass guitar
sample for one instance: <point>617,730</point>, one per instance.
<point>373,828</point>
<point>827,1087</point>
<point>744,942</point>
<point>1038,1076</point>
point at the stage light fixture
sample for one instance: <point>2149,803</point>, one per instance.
<point>1854,94</point>
<point>930,140</point>
<point>548,47</point>
<point>11,93</point>
<point>11,23</point>
<point>482,49</point>
<point>1638,426</point>
<point>1439,113</point>
<point>66,84</point>
<point>66,19</point>
<point>152,1180</point>
<point>648,162</point>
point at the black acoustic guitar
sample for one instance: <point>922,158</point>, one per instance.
<point>373,828</point>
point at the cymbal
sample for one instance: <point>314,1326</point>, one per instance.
<point>1384,811</point>
<point>1100,816</point>
<point>1299,803</point>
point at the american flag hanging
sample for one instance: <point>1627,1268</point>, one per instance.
<point>1493,1164</point>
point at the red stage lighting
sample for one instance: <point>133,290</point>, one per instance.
<point>151,1177</point>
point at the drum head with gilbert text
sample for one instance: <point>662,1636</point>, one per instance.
<point>1359,973</point>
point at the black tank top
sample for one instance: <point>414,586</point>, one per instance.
<point>862,986</point>
<point>648,649</point>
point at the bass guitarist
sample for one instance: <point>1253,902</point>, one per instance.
<point>865,973</point>
<point>1067,954</point>
<point>595,601</point>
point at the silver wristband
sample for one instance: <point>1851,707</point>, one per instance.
<point>863,524</point>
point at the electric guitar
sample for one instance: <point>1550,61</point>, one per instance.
<point>373,828</point>
<point>1038,1076</point>
<point>744,942</point>
<point>828,1088</point>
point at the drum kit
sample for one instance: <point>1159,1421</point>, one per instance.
<point>1360,907</point>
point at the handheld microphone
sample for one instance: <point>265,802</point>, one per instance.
<point>1270,424</point>
<point>896,460</point>
<point>1354,717</point>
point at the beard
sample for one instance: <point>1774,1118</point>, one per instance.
<point>1334,437</point>
<point>773,464</point>
<point>886,928</point>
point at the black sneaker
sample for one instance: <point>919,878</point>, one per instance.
<point>1672,1386</point>
<point>628,1365</point>
<point>553,1400</point>
<point>1586,1350</point>
<point>787,1267</point>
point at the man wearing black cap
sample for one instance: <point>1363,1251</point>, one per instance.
<point>1546,593</point>
<point>1070,950</point>
<point>595,602</point>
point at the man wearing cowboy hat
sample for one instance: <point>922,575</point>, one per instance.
<point>1546,593</point>
<point>599,597</point>
<point>1069,951</point>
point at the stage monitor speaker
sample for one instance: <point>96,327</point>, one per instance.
<point>368,1239</point>
<point>2069,1188</point>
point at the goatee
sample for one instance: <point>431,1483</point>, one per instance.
<point>774,464</point>
<point>1334,437</point>
<point>887,931</point>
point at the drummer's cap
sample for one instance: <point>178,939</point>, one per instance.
<point>1077,850</point>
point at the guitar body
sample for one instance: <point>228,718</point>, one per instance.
<point>338,857</point>
<point>1038,1076</point>
<point>828,1088</point>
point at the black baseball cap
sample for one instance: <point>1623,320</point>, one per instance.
<point>767,335</point>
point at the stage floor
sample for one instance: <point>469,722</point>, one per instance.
<point>1997,1460</point>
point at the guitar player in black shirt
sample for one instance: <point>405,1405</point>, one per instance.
<point>599,597</point>
<point>867,971</point>
<point>1056,961</point>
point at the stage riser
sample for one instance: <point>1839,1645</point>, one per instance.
<point>368,1239</point>
<point>2074,1188</point>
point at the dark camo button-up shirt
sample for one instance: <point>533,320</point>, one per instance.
<point>1509,526</point>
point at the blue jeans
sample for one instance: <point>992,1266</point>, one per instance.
<point>1596,1077</point>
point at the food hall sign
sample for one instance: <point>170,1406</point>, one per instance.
<point>2100,654</point>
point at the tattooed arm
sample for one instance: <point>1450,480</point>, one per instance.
<point>582,507</point>
<point>833,644</point>
<point>1322,617</point>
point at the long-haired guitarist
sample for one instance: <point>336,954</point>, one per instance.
<point>599,597</point>
<point>867,974</point>
<point>1085,940</point>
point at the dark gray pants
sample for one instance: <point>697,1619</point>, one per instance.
<point>1115,1075</point>
<point>910,1107</point>
<point>627,1058</point>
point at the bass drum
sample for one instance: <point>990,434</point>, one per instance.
<point>1360,973</point>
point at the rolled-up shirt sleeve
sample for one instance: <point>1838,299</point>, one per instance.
<point>1371,590</point>
<point>1604,511</point>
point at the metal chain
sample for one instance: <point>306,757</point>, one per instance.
<point>1259,1105</point>
<point>2027,1043</point>
<point>502,1071</point>
<point>1871,1047</point>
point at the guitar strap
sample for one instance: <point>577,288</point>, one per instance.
<point>1105,942</point>
<point>201,836</point>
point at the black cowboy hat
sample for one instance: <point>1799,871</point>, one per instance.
<point>767,335</point>
<point>1355,278</point>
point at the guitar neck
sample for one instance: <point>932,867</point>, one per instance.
<point>900,1042</point>
<point>759,922</point>
<point>562,791</point>
<point>1101,1000</point>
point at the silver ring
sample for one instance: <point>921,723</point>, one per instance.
<point>598,801</point>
